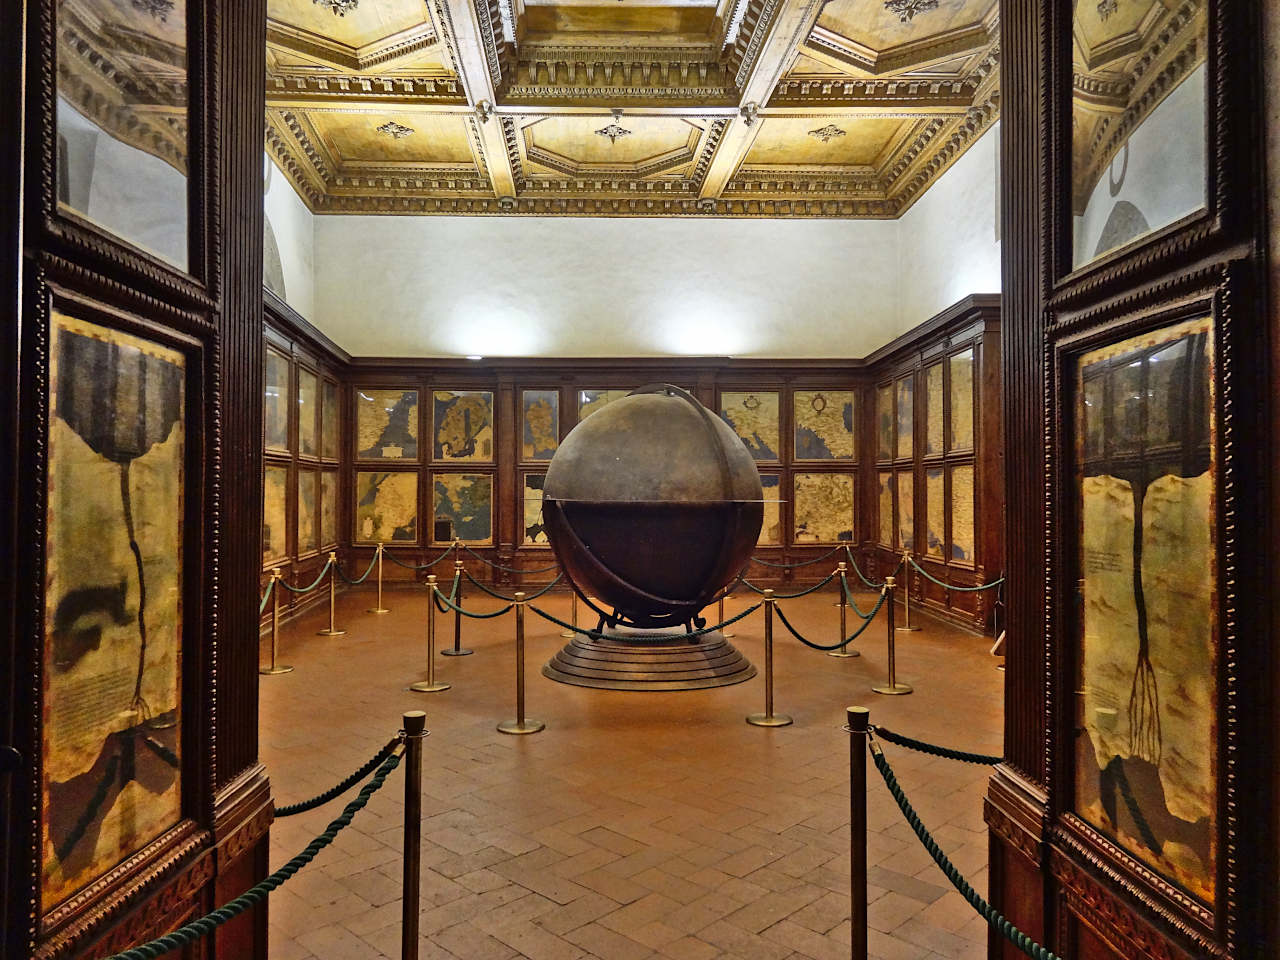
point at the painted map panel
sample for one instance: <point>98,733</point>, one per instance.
<point>535,531</point>
<point>328,508</point>
<point>307,518</point>
<point>386,424</point>
<point>823,424</point>
<point>386,507</point>
<point>275,400</point>
<point>906,414</point>
<point>329,424</point>
<point>935,527</point>
<point>1146,768</point>
<point>823,508</point>
<point>462,425</point>
<point>462,505</point>
<point>885,500</point>
<point>933,409</point>
<point>541,424</point>
<point>884,422</point>
<point>308,412</point>
<point>589,401</point>
<point>962,400</point>
<point>906,510</point>
<point>754,418</point>
<point>962,536</point>
<point>275,486</point>
<point>111,735</point>
<point>771,527</point>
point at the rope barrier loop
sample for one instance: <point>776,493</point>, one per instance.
<point>597,635</point>
<point>952,586</point>
<point>792,566</point>
<point>863,577</point>
<point>363,577</point>
<point>418,566</point>
<point>266,596</point>
<point>789,596</point>
<point>932,748</point>
<point>338,789</point>
<point>448,601</point>
<point>835,646</point>
<point>314,583</point>
<point>500,596</point>
<point>498,566</point>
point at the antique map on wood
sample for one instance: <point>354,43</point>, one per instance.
<point>462,505</point>
<point>308,408</point>
<point>885,495</point>
<point>906,510</point>
<point>884,422</point>
<point>275,400</point>
<point>589,401</point>
<point>535,531</point>
<point>462,425</point>
<point>1146,767</point>
<point>823,424</point>
<point>112,658</point>
<point>823,507</point>
<point>771,527</point>
<point>935,519</point>
<point>540,416</point>
<point>933,409</point>
<point>962,400</point>
<point>307,511</point>
<point>328,508</point>
<point>386,507</point>
<point>962,500</point>
<point>386,424</point>
<point>754,418</point>
<point>329,420</point>
<point>275,485</point>
<point>906,413</point>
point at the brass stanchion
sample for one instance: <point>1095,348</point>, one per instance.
<point>906,592</point>
<point>431,684</point>
<point>844,650</point>
<point>276,667</point>
<point>858,726</point>
<point>893,687</point>
<point>573,613</point>
<point>520,724</point>
<point>332,630</point>
<point>457,650</point>
<point>415,730</point>
<point>379,608</point>
<point>768,718</point>
<point>727,634</point>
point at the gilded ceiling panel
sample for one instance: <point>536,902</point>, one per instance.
<point>843,142</point>
<point>365,23</point>
<point>392,138</point>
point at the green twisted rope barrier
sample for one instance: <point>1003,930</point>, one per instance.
<point>952,586</point>
<point>835,646</point>
<point>993,917</point>
<point>789,596</point>
<point>290,809</point>
<point>498,566</point>
<point>453,594</point>
<point>848,599</point>
<point>417,566</point>
<point>932,748</point>
<point>499,596</point>
<point>863,577</point>
<point>205,925</point>
<point>363,578</point>
<point>597,635</point>
<point>792,566</point>
<point>314,583</point>
<point>266,596</point>
<point>467,613</point>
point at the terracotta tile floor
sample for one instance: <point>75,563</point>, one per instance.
<point>637,825</point>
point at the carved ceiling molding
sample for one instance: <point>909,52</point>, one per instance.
<point>279,148</point>
<point>581,75</point>
<point>477,145</point>
<point>340,56</point>
<point>963,134</point>
<point>965,40</point>
<point>293,125</point>
<point>323,88</point>
<point>908,10</point>
<point>710,141</point>
<point>522,95</point>
<point>756,23</point>
<point>511,138</point>
<point>654,206</point>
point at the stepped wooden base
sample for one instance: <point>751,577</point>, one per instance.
<point>631,659</point>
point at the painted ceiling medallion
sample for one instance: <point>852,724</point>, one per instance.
<point>1107,7</point>
<point>907,9</point>
<point>160,9</point>
<point>396,130</point>
<point>614,131</point>
<point>340,8</point>
<point>827,134</point>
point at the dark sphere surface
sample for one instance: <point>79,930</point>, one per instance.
<point>652,505</point>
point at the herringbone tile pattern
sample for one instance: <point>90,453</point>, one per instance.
<point>637,826</point>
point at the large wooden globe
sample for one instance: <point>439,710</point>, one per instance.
<point>652,506</point>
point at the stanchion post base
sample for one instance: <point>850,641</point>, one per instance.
<point>272,671</point>
<point>769,720</point>
<point>326,632</point>
<point>518,728</point>
<point>728,634</point>
<point>896,690</point>
<point>844,654</point>
<point>450,652</point>
<point>568,634</point>
<point>377,610</point>
<point>910,629</point>
<point>422,686</point>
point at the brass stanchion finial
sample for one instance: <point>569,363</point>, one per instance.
<point>379,608</point>
<point>857,722</point>
<point>521,724</point>
<point>332,630</point>
<point>843,604</point>
<point>768,718</point>
<point>457,649</point>
<point>276,667</point>
<point>893,687</point>
<point>415,730</point>
<point>431,684</point>
<point>906,592</point>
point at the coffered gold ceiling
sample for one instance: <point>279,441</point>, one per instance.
<point>848,108</point>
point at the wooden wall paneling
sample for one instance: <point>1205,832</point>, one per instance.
<point>508,518</point>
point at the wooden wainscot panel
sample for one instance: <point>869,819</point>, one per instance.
<point>174,905</point>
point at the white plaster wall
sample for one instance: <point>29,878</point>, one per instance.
<point>294,228</point>
<point>1165,178</point>
<point>948,246</point>
<point>136,196</point>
